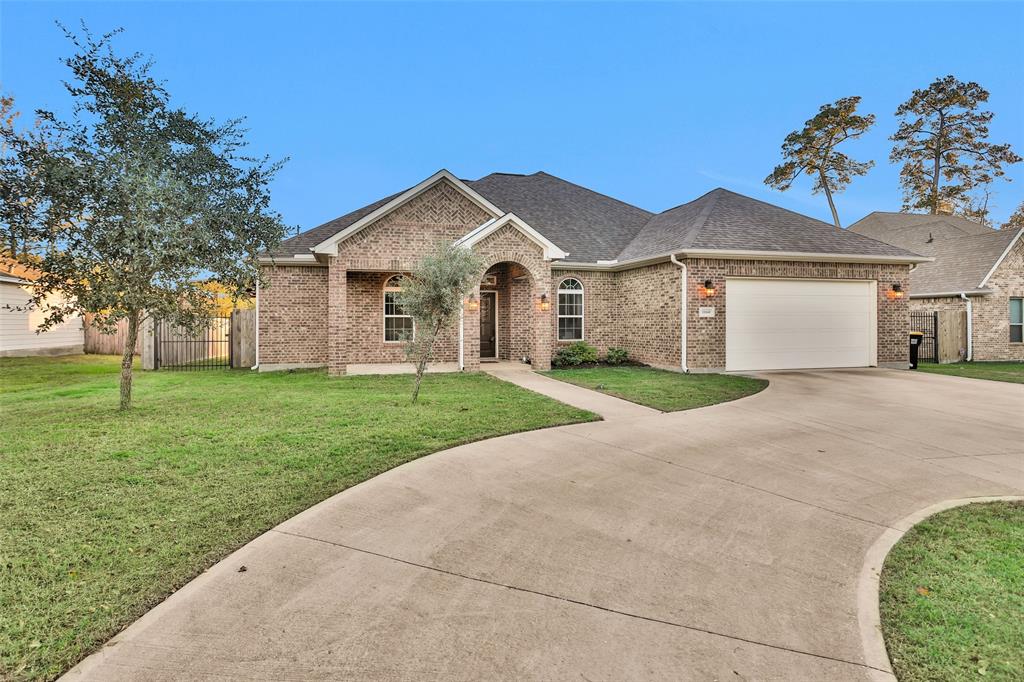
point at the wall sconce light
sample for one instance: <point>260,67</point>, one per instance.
<point>897,291</point>
<point>472,303</point>
<point>709,288</point>
<point>544,303</point>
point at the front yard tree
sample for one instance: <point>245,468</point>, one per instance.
<point>942,141</point>
<point>144,202</point>
<point>813,150</point>
<point>433,296</point>
<point>21,185</point>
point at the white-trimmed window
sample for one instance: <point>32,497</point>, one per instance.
<point>1017,320</point>
<point>570,310</point>
<point>398,326</point>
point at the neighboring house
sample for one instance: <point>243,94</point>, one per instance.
<point>722,282</point>
<point>18,323</point>
<point>976,268</point>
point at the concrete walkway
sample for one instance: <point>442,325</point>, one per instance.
<point>609,407</point>
<point>722,543</point>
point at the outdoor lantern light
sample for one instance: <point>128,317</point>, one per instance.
<point>472,303</point>
<point>545,304</point>
<point>709,288</point>
<point>897,290</point>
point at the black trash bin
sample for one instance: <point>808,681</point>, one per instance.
<point>915,346</point>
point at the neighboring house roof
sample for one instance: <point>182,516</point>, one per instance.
<point>965,252</point>
<point>595,228</point>
<point>11,278</point>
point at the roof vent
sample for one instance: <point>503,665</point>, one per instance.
<point>930,238</point>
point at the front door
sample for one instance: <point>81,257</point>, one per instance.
<point>488,328</point>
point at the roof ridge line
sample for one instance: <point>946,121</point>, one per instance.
<point>593,191</point>
<point>702,218</point>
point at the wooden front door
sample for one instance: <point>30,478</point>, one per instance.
<point>488,326</point>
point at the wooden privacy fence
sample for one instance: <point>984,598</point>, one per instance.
<point>98,343</point>
<point>243,338</point>
<point>951,335</point>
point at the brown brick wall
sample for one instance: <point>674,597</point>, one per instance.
<point>649,304</point>
<point>706,336</point>
<point>992,312</point>
<point>293,316</point>
<point>601,308</point>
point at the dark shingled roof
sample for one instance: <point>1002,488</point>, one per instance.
<point>304,241</point>
<point>591,226</point>
<point>964,251</point>
<point>587,224</point>
<point>729,221</point>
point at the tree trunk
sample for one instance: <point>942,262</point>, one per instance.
<point>127,357</point>
<point>828,195</point>
<point>421,365</point>
<point>937,164</point>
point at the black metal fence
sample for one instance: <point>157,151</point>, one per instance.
<point>177,349</point>
<point>928,324</point>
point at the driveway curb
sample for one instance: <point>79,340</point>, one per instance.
<point>868,584</point>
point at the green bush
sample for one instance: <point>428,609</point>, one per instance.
<point>576,353</point>
<point>616,356</point>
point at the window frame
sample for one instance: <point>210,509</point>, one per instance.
<point>582,305</point>
<point>390,288</point>
<point>1019,300</point>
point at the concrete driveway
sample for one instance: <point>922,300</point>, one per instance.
<point>723,543</point>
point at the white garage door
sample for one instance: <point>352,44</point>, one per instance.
<point>799,324</point>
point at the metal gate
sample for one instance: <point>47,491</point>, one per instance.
<point>177,349</point>
<point>928,324</point>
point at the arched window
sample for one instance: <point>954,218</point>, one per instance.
<point>398,326</point>
<point>570,310</point>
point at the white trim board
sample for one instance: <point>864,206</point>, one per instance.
<point>551,252</point>
<point>330,245</point>
<point>999,261</point>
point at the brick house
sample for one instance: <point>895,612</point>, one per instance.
<point>975,268</point>
<point>724,282</point>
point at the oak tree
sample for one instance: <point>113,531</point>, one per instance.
<point>143,203</point>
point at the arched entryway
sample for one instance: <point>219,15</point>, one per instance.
<point>507,318</point>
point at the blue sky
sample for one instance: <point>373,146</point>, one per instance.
<point>654,104</point>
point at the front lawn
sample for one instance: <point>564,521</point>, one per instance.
<point>996,371</point>
<point>660,389</point>
<point>952,596</point>
<point>103,514</point>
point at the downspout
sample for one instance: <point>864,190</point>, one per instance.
<point>970,327</point>
<point>683,308</point>
<point>257,365</point>
<point>462,343</point>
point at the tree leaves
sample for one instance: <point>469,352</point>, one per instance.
<point>942,142</point>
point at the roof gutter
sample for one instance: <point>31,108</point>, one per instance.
<point>725,254</point>
<point>683,310</point>
<point>953,294</point>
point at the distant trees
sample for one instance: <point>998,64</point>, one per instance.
<point>1016,219</point>
<point>813,150</point>
<point>137,203</point>
<point>948,163</point>
<point>942,141</point>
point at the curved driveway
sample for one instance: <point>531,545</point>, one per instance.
<point>722,543</point>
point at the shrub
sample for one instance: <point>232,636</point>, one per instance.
<point>576,353</point>
<point>617,356</point>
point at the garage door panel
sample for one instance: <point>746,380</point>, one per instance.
<point>792,324</point>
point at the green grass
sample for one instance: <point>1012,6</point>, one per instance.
<point>995,371</point>
<point>952,596</point>
<point>103,514</point>
<point>662,390</point>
